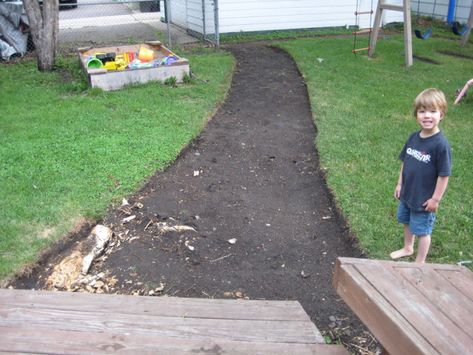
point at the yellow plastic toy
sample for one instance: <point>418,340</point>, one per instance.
<point>145,54</point>
<point>119,63</point>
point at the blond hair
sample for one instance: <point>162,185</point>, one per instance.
<point>431,99</point>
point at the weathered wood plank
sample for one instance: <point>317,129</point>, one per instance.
<point>438,330</point>
<point>392,330</point>
<point>179,326</point>
<point>462,281</point>
<point>65,342</point>
<point>114,80</point>
<point>442,294</point>
<point>159,306</point>
<point>356,261</point>
<point>67,323</point>
<point>411,308</point>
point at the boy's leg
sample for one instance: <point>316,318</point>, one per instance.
<point>423,248</point>
<point>408,245</point>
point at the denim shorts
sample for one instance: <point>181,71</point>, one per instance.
<point>420,223</point>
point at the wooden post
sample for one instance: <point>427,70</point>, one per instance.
<point>376,26</point>
<point>406,9</point>
<point>407,33</point>
<point>466,36</point>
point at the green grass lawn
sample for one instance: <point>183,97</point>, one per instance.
<point>67,152</point>
<point>363,110</point>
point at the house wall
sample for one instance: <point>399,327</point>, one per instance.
<point>179,12</point>
<point>194,15</point>
<point>191,14</point>
<point>264,15</point>
<point>267,15</point>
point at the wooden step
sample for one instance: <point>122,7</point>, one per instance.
<point>360,49</point>
<point>363,31</point>
<point>93,343</point>
<point>66,323</point>
<point>410,308</point>
<point>363,12</point>
<point>391,7</point>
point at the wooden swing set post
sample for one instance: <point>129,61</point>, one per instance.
<point>466,36</point>
<point>405,8</point>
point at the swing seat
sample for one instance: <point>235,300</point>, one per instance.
<point>424,35</point>
<point>458,29</point>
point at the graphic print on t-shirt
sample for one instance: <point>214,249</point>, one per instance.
<point>420,156</point>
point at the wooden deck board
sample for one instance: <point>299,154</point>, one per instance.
<point>78,323</point>
<point>158,306</point>
<point>462,281</point>
<point>440,293</point>
<point>198,328</point>
<point>375,311</point>
<point>411,308</point>
<point>67,343</point>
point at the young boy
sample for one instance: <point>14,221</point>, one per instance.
<point>423,179</point>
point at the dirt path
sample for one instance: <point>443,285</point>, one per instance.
<point>251,178</point>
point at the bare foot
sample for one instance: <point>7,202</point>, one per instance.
<point>401,253</point>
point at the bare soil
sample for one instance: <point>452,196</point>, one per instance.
<point>244,212</point>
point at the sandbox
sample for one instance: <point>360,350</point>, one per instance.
<point>111,68</point>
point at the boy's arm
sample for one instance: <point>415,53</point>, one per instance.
<point>397,191</point>
<point>432,204</point>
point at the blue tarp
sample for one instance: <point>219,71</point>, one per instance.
<point>12,20</point>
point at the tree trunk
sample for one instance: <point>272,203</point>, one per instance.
<point>44,26</point>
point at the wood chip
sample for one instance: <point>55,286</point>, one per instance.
<point>128,219</point>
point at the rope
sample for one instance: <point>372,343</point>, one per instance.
<point>357,22</point>
<point>357,25</point>
<point>421,34</point>
<point>371,21</point>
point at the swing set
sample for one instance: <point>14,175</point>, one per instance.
<point>457,28</point>
<point>405,8</point>
<point>428,32</point>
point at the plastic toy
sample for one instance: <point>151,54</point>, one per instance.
<point>94,63</point>
<point>105,57</point>
<point>168,60</point>
<point>462,93</point>
<point>145,54</point>
<point>118,64</point>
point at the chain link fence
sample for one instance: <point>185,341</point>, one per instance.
<point>440,9</point>
<point>198,17</point>
<point>95,23</point>
<point>103,22</point>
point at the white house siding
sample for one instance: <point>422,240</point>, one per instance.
<point>178,12</point>
<point>188,14</point>
<point>195,9</point>
<point>265,15</point>
<point>268,15</point>
<point>194,16</point>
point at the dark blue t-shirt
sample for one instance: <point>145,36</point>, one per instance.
<point>425,159</point>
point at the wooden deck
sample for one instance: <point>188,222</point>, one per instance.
<point>79,323</point>
<point>410,308</point>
